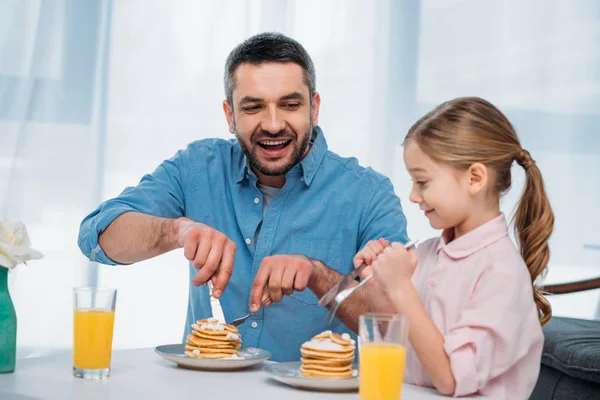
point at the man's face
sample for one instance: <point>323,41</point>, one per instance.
<point>272,115</point>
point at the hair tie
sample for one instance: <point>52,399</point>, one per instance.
<point>524,159</point>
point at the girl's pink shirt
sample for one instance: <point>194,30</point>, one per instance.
<point>477,290</point>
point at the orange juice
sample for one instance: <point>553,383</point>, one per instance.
<point>381,371</point>
<point>92,336</point>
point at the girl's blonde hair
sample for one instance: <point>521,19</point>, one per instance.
<point>470,130</point>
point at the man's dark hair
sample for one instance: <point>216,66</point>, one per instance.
<point>268,47</point>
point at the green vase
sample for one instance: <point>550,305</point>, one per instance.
<point>8,326</point>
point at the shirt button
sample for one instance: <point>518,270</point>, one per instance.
<point>302,179</point>
<point>248,241</point>
<point>256,200</point>
<point>254,324</point>
<point>432,283</point>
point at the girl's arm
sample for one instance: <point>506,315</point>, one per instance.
<point>498,327</point>
<point>393,269</point>
<point>425,337</point>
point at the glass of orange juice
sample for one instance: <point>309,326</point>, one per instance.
<point>382,351</point>
<point>93,322</point>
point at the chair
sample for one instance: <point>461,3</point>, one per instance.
<point>571,357</point>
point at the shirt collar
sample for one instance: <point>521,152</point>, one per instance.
<point>475,240</point>
<point>241,166</point>
<point>310,163</point>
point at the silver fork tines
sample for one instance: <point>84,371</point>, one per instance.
<point>239,321</point>
<point>343,295</point>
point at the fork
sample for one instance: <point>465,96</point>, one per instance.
<point>239,321</point>
<point>343,295</point>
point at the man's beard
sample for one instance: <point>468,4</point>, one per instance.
<point>299,149</point>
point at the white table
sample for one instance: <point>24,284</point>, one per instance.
<point>141,374</point>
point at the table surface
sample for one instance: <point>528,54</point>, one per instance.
<point>140,373</point>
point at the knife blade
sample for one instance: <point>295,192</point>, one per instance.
<point>348,278</point>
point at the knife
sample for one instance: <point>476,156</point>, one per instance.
<point>348,278</point>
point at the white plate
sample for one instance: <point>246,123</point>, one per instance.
<point>250,356</point>
<point>289,373</point>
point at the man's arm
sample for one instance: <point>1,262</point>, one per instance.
<point>348,312</point>
<point>147,220</point>
<point>158,197</point>
<point>382,218</point>
<point>283,274</point>
<point>134,237</point>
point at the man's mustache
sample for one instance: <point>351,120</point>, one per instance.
<point>281,135</point>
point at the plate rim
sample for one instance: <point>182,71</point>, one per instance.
<point>268,368</point>
<point>182,356</point>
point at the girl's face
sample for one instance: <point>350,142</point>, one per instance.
<point>441,191</point>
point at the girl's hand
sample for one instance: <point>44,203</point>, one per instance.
<point>393,269</point>
<point>368,254</point>
<point>377,299</point>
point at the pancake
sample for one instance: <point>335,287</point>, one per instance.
<point>209,350</point>
<point>327,375</point>
<point>197,354</point>
<point>328,355</point>
<point>201,342</point>
<point>213,339</point>
<point>214,325</point>
<point>332,363</point>
<point>227,337</point>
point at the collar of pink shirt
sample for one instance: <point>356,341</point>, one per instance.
<point>473,241</point>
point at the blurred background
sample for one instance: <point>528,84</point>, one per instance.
<point>96,93</point>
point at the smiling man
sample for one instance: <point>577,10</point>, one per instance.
<point>268,214</point>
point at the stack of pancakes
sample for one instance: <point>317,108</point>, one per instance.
<point>328,355</point>
<point>213,339</point>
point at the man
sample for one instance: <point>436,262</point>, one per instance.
<point>268,214</point>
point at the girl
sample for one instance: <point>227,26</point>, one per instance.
<point>474,314</point>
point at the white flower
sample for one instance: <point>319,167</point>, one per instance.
<point>14,245</point>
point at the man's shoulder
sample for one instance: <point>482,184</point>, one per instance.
<point>350,167</point>
<point>212,145</point>
<point>210,148</point>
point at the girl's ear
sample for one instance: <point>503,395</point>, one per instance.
<point>477,176</point>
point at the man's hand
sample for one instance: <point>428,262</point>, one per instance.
<point>210,251</point>
<point>279,275</point>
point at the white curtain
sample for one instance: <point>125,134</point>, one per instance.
<point>94,94</point>
<point>51,56</point>
<point>539,61</point>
